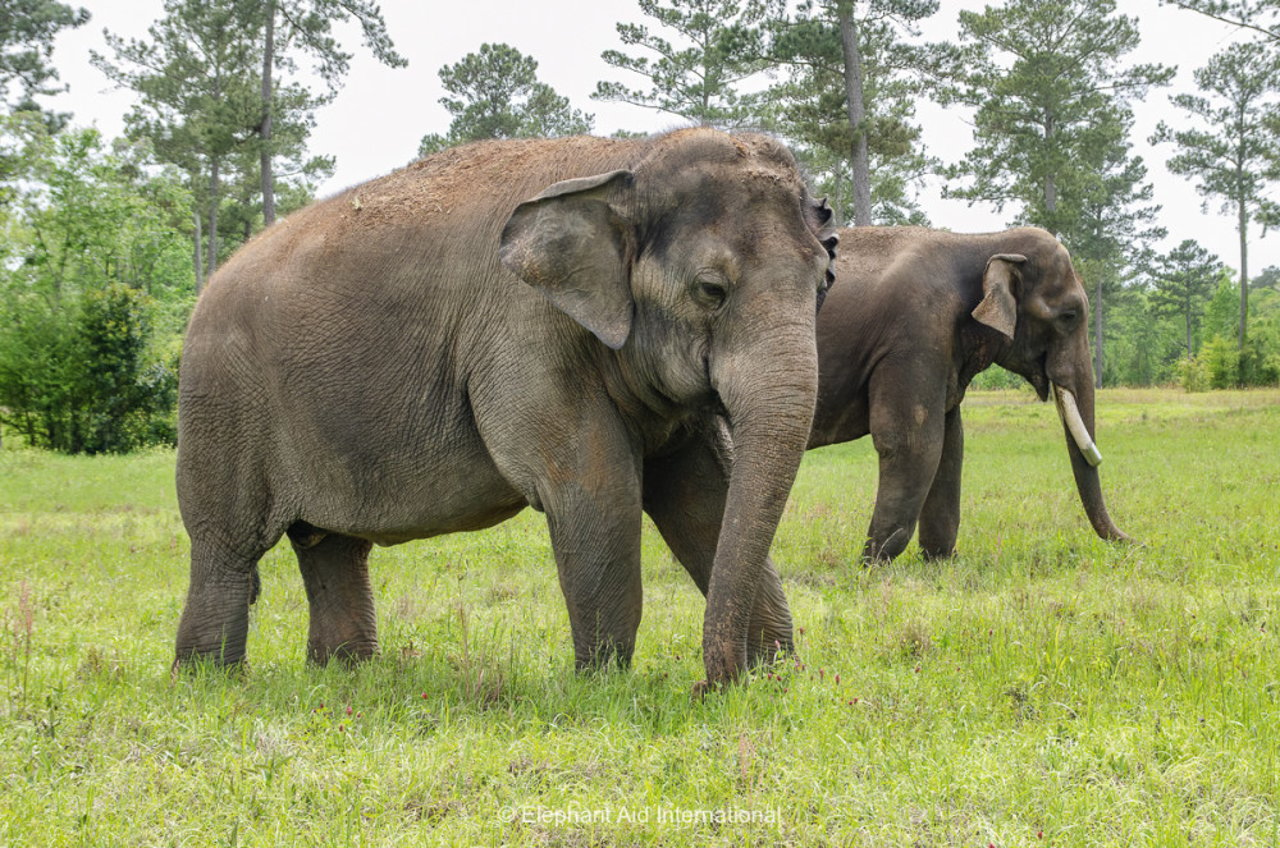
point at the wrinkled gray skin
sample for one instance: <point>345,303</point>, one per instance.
<point>916,315</point>
<point>590,327</point>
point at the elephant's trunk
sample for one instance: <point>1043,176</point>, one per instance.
<point>768,392</point>
<point>1076,409</point>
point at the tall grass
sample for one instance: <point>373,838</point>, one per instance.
<point>1041,687</point>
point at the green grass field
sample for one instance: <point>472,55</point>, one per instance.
<point>1041,688</point>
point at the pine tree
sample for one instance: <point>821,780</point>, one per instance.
<point>1183,280</point>
<point>720,45</point>
<point>1051,96</point>
<point>849,100</point>
<point>1235,152</point>
<point>1051,93</point>
<point>27,30</point>
<point>496,94</point>
<point>197,76</point>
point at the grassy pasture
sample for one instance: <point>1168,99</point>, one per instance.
<point>1040,688</point>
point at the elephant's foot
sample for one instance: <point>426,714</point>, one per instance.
<point>214,626</point>
<point>883,549</point>
<point>605,655</point>
<point>348,653</point>
<point>770,644</point>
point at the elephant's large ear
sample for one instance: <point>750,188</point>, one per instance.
<point>999,306</point>
<point>571,244</point>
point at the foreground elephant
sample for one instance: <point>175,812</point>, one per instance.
<point>916,315</point>
<point>373,370</point>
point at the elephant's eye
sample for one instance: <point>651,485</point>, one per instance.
<point>1068,318</point>
<point>712,293</point>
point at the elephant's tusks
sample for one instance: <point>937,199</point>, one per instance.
<point>1075,424</point>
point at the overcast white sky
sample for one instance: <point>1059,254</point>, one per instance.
<point>377,120</point>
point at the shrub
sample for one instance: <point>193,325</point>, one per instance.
<point>1193,374</point>
<point>1221,360</point>
<point>80,378</point>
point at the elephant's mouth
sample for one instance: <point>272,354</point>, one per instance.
<point>1039,379</point>
<point>1070,414</point>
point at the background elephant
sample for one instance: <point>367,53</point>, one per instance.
<point>917,313</point>
<point>373,370</point>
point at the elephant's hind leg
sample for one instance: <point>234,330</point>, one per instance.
<point>335,571</point>
<point>940,517</point>
<point>215,618</point>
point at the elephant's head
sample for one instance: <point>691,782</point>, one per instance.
<point>1036,301</point>
<point>703,268</point>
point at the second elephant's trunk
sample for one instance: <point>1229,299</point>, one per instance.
<point>1076,409</point>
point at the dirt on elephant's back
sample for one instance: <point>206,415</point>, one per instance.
<point>480,175</point>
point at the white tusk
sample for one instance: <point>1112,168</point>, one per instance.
<point>1075,424</point>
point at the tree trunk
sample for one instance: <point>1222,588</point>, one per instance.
<point>1097,334</point>
<point>1243,226</point>
<point>1051,189</point>
<point>264,132</point>
<point>215,193</point>
<point>857,116</point>
<point>198,254</point>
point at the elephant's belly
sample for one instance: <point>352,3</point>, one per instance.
<point>391,502</point>
<point>834,422</point>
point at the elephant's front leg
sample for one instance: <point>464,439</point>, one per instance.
<point>590,492</point>
<point>596,537</point>
<point>908,432</point>
<point>684,494</point>
<point>940,517</point>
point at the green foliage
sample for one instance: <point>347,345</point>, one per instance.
<point>1222,363</point>
<point>1039,682</point>
<point>1142,345</point>
<point>198,75</point>
<point>27,31</point>
<point>307,27</point>
<point>1222,313</point>
<point>1193,374</point>
<point>1233,153</point>
<point>97,281</point>
<point>1264,332</point>
<point>496,94</point>
<point>81,379</point>
<point>998,378</point>
<point>1183,281</point>
<point>719,46</point>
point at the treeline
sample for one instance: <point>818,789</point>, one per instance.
<point>108,241</point>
